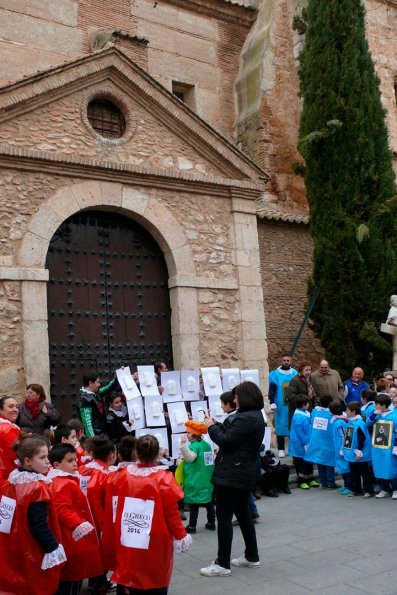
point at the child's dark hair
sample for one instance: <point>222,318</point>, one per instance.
<point>113,396</point>
<point>302,400</point>
<point>354,406</point>
<point>147,448</point>
<point>59,451</point>
<point>89,377</point>
<point>76,424</point>
<point>27,446</point>
<point>368,394</point>
<point>126,449</point>
<point>102,447</point>
<point>325,400</point>
<point>227,398</point>
<point>62,431</point>
<point>383,400</point>
<point>249,396</point>
<point>336,408</point>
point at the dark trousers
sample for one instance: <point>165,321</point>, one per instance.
<point>348,481</point>
<point>230,501</point>
<point>327,475</point>
<point>304,470</point>
<point>132,591</point>
<point>360,471</point>
<point>68,588</point>
<point>194,511</point>
<point>281,442</point>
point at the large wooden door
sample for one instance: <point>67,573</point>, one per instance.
<point>108,301</point>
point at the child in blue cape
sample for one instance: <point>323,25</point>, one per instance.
<point>368,397</point>
<point>299,441</point>
<point>321,445</point>
<point>339,424</point>
<point>384,445</point>
<point>357,450</point>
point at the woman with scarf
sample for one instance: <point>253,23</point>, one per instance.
<point>36,414</point>
<point>300,385</point>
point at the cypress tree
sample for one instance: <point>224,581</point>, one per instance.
<point>350,187</point>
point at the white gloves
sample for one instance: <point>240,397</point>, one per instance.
<point>54,558</point>
<point>358,453</point>
<point>82,530</point>
<point>394,451</point>
<point>182,545</point>
<point>273,407</point>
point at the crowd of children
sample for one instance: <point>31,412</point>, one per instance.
<point>359,441</point>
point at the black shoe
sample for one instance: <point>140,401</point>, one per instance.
<point>286,491</point>
<point>190,529</point>
<point>271,493</point>
<point>255,515</point>
<point>210,526</point>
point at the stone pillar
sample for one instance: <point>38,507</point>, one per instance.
<point>253,345</point>
<point>184,328</point>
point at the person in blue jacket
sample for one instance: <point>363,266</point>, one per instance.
<point>384,445</point>
<point>321,445</point>
<point>279,380</point>
<point>357,451</point>
<point>339,423</point>
<point>368,397</point>
<point>299,441</point>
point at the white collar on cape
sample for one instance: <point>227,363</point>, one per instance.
<point>17,477</point>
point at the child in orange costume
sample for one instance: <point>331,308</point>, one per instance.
<point>125,456</point>
<point>9,432</point>
<point>147,523</point>
<point>78,534</point>
<point>29,525</point>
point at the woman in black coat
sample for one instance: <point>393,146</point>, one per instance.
<point>35,413</point>
<point>235,475</point>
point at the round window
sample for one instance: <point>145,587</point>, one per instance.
<point>106,118</point>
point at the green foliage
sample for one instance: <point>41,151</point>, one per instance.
<point>350,186</point>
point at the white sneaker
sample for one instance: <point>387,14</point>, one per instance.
<point>281,454</point>
<point>215,570</point>
<point>242,561</point>
<point>394,495</point>
<point>382,494</point>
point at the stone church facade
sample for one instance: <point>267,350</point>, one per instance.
<point>208,182</point>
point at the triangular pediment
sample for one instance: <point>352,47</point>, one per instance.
<point>48,112</point>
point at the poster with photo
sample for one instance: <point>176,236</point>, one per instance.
<point>147,381</point>
<point>215,409</point>
<point>230,378</point>
<point>199,410</point>
<point>171,383</point>
<point>136,412</point>
<point>250,376</point>
<point>177,416</point>
<point>212,381</point>
<point>382,434</point>
<point>127,383</point>
<point>190,385</point>
<point>154,411</point>
<point>159,433</point>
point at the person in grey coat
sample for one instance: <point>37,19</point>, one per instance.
<point>235,475</point>
<point>36,414</point>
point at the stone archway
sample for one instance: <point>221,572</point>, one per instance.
<point>155,218</point>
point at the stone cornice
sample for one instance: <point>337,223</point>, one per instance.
<point>202,282</point>
<point>13,273</point>
<point>89,168</point>
<point>224,10</point>
<point>112,65</point>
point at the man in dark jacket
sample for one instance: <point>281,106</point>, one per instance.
<point>235,476</point>
<point>92,404</point>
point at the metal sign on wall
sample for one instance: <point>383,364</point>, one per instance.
<point>108,301</point>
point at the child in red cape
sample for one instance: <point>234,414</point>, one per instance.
<point>77,425</point>
<point>147,523</point>
<point>125,456</point>
<point>30,549</point>
<point>76,524</point>
<point>9,432</point>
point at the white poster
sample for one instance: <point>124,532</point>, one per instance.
<point>147,381</point>
<point>177,416</point>
<point>154,411</point>
<point>127,383</point>
<point>171,383</point>
<point>320,423</point>
<point>84,481</point>
<point>212,381</point>
<point>136,413</point>
<point>7,510</point>
<point>215,409</point>
<point>136,523</point>
<point>175,445</point>
<point>250,376</point>
<point>230,378</point>
<point>115,500</point>
<point>190,385</point>
<point>199,410</point>
<point>267,438</point>
<point>159,433</point>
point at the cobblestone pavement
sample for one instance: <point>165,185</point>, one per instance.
<point>309,542</point>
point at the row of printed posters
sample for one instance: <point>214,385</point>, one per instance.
<point>146,405</point>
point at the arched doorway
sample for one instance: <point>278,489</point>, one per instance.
<point>108,300</point>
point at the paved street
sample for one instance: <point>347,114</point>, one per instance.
<point>310,542</point>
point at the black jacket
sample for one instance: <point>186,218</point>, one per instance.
<point>239,443</point>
